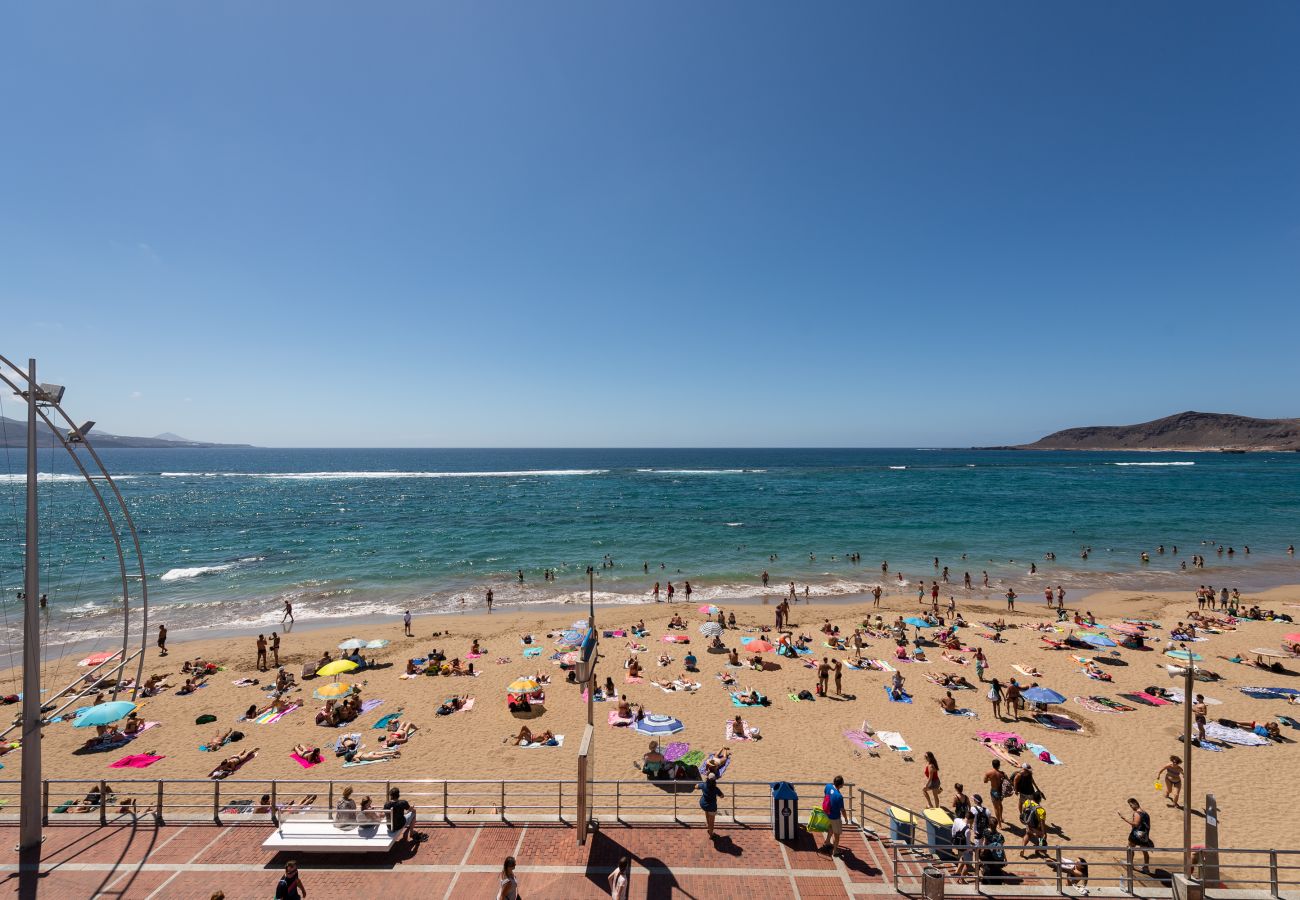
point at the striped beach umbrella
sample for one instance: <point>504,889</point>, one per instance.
<point>522,686</point>
<point>657,724</point>
<point>709,610</point>
<point>332,691</point>
<point>711,629</point>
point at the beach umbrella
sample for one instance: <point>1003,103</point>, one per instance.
<point>570,637</point>
<point>353,644</point>
<point>709,610</point>
<point>1097,640</point>
<point>759,646</point>
<point>95,659</point>
<point>1292,638</point>
<point>332,691</point>
<point>377,645</point>
<point>1183,654</point>
<point>1125,628</point>
<point>104,714</point>
<point>917,621</point>
<point>1271,654</point>
<point>655,724</point>
<point>523,686</point>
<point>581,624</point>
<point>711,629</point>
<point>1042,695</point>
<point>336,668</point>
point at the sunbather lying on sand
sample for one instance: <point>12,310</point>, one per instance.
<point>370,755</point>
<point>526,736</point>
<point>948,679</point>
<point>308,752</point>
<point>230,764</point>
<point>400,734</point>
<point>216,743</point>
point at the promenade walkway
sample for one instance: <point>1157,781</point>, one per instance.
<point>126,860</point>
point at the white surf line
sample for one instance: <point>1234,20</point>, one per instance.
<point>464,862</point>
<point>107,889</point>
<point>206,847</point>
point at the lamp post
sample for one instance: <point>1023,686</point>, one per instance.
<point>1188,672</point>
<point>29,813</point>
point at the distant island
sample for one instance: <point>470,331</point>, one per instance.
<point>1186,431</point>
<point>13,433</point>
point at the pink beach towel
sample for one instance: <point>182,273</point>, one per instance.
<point>302,761</point>
<point>475,655</point>
<point>368,705</point>
<point>136,761</point>
<point>748,735</point>
<point>616,720</point>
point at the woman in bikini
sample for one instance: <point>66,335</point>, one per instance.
<point>1172,773</point>
<point>932,786</point>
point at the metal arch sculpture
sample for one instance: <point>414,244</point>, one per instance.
<point>43,406</point>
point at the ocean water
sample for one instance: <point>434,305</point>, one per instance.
<point>229,534</point>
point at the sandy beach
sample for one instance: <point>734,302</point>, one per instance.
<point>1115,754</point>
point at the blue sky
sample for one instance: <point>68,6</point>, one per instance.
<point>598,224</point>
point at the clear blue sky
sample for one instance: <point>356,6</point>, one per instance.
<point>550,224</point>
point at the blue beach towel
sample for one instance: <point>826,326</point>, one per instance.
<point>889,692</point>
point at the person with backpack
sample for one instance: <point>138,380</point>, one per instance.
<point>1034,818</point>
<point>1026,787</point>
<point>290,886</point>
<point>1139,834</point>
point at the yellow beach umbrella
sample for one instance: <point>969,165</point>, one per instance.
<point>337,667</point>
<point>523,686</point>
<point>333,691</point>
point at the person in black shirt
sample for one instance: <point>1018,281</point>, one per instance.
<point>397,808</point>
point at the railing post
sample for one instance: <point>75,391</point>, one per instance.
<point>1272,873</point>
<point>503,800</point>
<point>675,819</point>
<point>1128,873</point>
<point>103,802</point>
<point>216,802</point>
<point>275,806</point>
<point>618,801</point>
<point>331,792</point>
<point>1058,869</point>
<point>158,805</point>
<point>733,806</point>
<point>893,852</point>
<point>45,802</point>
<point>559,800</point>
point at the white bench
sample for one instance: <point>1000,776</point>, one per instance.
<point>315,835</point>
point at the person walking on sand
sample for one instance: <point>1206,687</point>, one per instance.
<point>288,613</point>
<point>406,624</point>
<point>489,599</point>
<point>996,779</point>
<point>1139,834</point>
<point>833,806</point>
<point>620,879</point>
<point>1172,774</point>
<point>839,677</point>
<point>981,663</point>
<point>162,640</point>
<point>995,697</point>
<point>933,786</point>
<point>507,884</point>
<point>823,674</point>
<point>275,649</point>
<point>261,653</point>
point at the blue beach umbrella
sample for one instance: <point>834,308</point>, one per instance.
<point>1183,654</point>
<point>917,622</point>
<point>353,644</point>
<point>1097,640</point>
<point>104,714</point>
<point>1042,695</point>
<point>655,724</point>
<point>377,645</point>
<point>570,637</point>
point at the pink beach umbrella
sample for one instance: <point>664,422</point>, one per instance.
<point>709,610</point>
<point>759,646</point>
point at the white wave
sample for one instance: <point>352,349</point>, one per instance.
<point>195,572</point>
<point>1153,464</point>
<point>323,476</point>
<point>54,477</point>
<point>735,524</point>
<point>898,467</point>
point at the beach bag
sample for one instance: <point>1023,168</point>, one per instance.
<point>236,736</point>
<point>819,822</point>
<point>805,695</point>
<point>993,694</point>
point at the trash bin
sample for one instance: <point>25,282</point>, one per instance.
<point>900,825</point>
<point>932,883</point>
<point>938,832</point>
<point>785,810</point>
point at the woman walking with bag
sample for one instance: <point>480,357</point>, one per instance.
<point>932,784</point>
<point>995,697</point>
<point>709,794</point>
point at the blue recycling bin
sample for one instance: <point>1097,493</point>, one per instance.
<point>785,811</point>
<point>901,823</point>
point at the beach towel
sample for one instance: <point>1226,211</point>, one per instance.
<point>1111,704</point>
<point>1145,699</point>
<point>368,705</point>
<point>1215,731</point>
<point>747,733</point>
<point>797,699</point>
<point>676,751</point>
<point>632,679</point>
<point>894,741</point>
<point>532,652</point>
<point>1177,697</point>
<point>618,721</point>
<point>881,665</point>
<point>557,741</point>
<point>467,656</point>
<point>693,759</point>
<point>1038,750</point>
<point>861,739</point>
<point>244,682</point>
<point>1092,705</point>
<point>1204,745</point>
<point>968,713</point>
<point>1028,673</point>
<point>302,761</point>
<point>216,774</point>
<point>889,692</point>
<point>1268,693</point>
<point>135,761</point>
<point>366,762</point>
<point>206,748</point>
<point>383,723</point>
<point>1057,722</point>
<point>270,717</point>
<point>238,807</point>
<point>356,736</point>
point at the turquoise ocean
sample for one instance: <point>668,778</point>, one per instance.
<point>229,534</point>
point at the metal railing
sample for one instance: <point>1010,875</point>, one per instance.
<point>913,846</point>
<point>250,801</point>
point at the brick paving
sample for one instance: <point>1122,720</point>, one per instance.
<point>125,861</point>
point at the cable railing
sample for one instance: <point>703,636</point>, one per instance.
<point>253,801</point>
<point>913,849</point>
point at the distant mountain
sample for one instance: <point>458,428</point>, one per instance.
<point>1184,431</point>
<point>13,433</point>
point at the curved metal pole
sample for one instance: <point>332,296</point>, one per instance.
<point>103,505</point>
